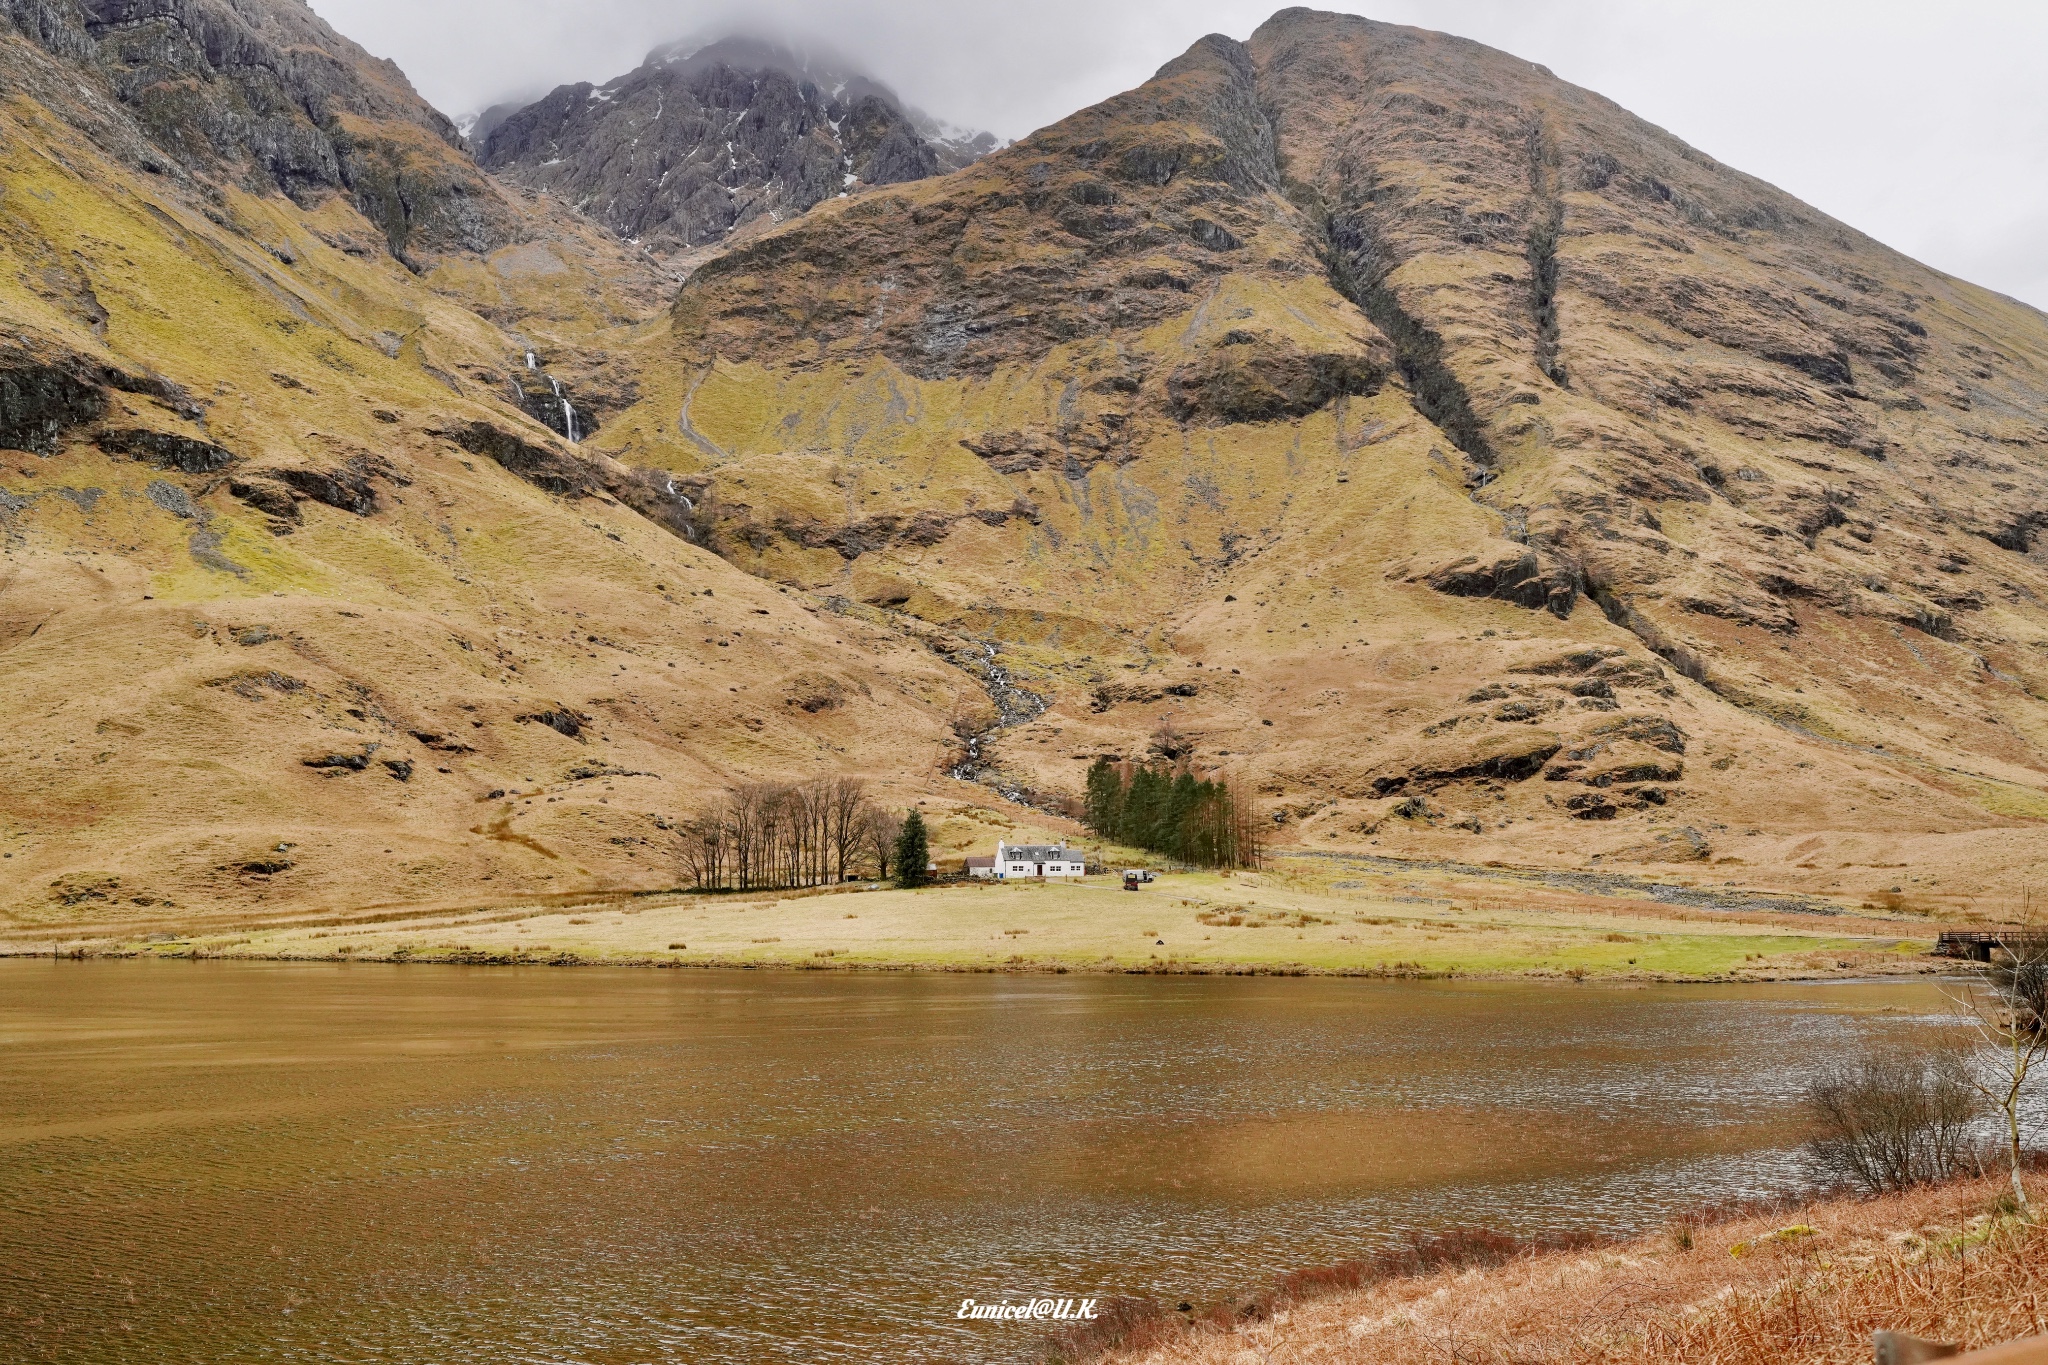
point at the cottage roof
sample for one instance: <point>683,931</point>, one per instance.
<point>1039,853</point>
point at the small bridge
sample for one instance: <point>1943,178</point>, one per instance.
<point>1973,944</point>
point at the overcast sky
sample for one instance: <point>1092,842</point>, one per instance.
<point>1922,122</point>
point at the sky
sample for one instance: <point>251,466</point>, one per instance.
<point>1922,122</point>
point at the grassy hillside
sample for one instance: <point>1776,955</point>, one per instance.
<point>289,615</point>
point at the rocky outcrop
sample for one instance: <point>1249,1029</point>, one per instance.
<point>1253,378</point>
<point>48,392</point>
<point>697,143</point>
<point>544,467</point>
<point>348,488</point>
<point>1521,574</point>
<point>42,398</point>
<point>166,449</point>
<point>265,94</point>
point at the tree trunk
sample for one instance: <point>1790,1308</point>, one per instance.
<point>2012,1127</point>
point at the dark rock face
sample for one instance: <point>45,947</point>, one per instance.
<point>681,507</point>
<point>347,488</point>
<point>1262,380</point>
<point>268,498</point>
<point>166,450</point>
<point>40,400</point>
<point>561,720</point>
<point>47,391</point>
<point>264,93</point>
<point>693,145</point>
<point>553,404</point>
<point>341,763</point>
<point>1515,573</point>
<point>555,471</point>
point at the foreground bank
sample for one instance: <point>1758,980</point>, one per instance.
<point>1808,1284</point>
<point>1299,916</point>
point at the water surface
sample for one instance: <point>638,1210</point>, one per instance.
<point>230,1162</point>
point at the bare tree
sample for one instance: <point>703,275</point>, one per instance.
<point>750,817</point>
<point>706,849</point>
<point>2009,1011</point>
<point>880,830</point>
<point>846,804</point>
<point>769,835</point>
<point>1170,742</point>
<point>1890,1120</point>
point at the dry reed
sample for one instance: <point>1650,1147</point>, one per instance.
<point>1796,1286</point>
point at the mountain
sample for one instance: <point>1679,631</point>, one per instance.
<point>702,140</point>
<point>304,607</point>
<point>262,96</point>
<point>1482,470</point>
<point>1479,472</point>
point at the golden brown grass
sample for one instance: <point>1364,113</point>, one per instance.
<point>1810,1284</point>
<point>1195,922</point>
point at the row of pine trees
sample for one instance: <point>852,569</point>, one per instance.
<point>1167,809</point>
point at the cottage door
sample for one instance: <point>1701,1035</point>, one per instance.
<point>1041,869</point>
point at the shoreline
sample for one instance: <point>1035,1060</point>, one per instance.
<point>1936,969</point>
<point>1400,922</point>
<point>1800,1278</point>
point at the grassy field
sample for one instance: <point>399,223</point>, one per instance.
<point>1298,916</point>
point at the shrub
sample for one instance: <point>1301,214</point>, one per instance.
<point>1890,1120</point>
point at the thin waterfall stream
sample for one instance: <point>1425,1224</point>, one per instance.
<point>1014,706</point>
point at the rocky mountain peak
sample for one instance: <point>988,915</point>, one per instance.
<point>704,139</point>
<point>261,94</point>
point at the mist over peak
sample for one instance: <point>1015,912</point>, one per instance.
<point>708,137</point>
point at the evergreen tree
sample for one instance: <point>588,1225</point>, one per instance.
<point>913,852</point>
<point>1176,824</point>
<point>1205,821</point>
<point>1199,837</point>
<point>1144,803</point>
<point>1104,802</point>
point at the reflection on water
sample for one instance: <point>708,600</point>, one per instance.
<point>225,1162</point>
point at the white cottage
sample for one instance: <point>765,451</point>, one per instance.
<point>1015,862</point>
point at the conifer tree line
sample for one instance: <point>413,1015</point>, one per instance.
<point>772,836</point>
<point>1166,808</point>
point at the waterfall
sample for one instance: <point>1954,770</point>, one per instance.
<point>1014,706</point>
<point>568,411</point>
<point>532,361</point>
